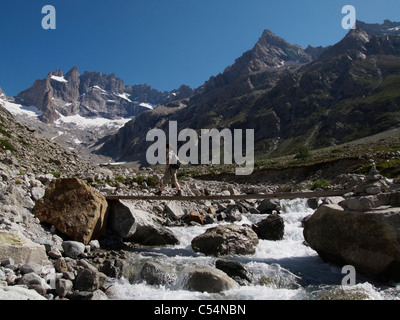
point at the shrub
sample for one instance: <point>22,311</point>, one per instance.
<point>6,145</point>
<point>56,174</point>
<point>150,180</point>
<point>303,152</point>
<point>120,179</point>
<point>319,184</point>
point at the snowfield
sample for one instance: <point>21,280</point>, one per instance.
<point>79,121</point>
<point>91,122</point>
<point>17,109</point>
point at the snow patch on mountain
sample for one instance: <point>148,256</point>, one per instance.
<point>98,88</point>
<point>17,109</point>
<point>123,96</point>
<point>83,122</point>
<point>59,79</point>
<point>147,105</point>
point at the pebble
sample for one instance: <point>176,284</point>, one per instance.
<point>73,249</point>
<point>54,253</point>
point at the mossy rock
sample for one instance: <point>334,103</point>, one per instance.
<point>22,250</point>
<point>11,238</point>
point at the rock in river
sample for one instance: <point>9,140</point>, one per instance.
<point>226,240</point>
<point>207,279</point>
<point>368,240</point>
<point>147,231</point>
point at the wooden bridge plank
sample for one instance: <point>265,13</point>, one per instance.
<point>279,195</point>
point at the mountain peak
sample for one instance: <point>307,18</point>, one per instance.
<point>73,74</point>
<point>275,51</point>
<point>366,37</point>
<point>271,54</point>
<point>58,73</point>
<point>268,38</point>
<point>269,35</point>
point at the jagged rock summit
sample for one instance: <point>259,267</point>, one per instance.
<point>93,94</point>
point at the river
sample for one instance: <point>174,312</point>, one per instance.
<point>282,270</point>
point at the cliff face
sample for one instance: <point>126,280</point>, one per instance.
<point>91,95</point>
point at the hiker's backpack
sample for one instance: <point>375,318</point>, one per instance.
<point>176,165</point>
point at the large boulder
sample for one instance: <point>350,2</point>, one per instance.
<point>271,228</point>
<point>19,293</point>
<point>122,220</point>
<point>147,230</point>
<point>368,240</point>
<point>22,250</point>
<point>74,208</point>
<point>174,210</point>
<point>235,270</point>
<point>207,279</point>
<point>226,240</point>
<point>269,205</point>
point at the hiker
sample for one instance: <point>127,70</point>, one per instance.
<point>173,165</point>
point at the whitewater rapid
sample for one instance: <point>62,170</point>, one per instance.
<point>282,270</point>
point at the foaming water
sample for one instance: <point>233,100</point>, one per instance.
<point>282,270</point>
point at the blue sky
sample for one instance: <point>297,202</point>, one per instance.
<point>164,43</point>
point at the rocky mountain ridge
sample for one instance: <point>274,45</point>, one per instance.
<point>91,95</point>
<point>77,110</point>
<point>257,70</point>
<point>348,91</point>
<point>26,150</point>
<point>290,96</point>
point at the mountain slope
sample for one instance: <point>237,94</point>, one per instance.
<point>28,151</point>
<point>220,99</point>
<point>349,91</point>
<point>76,110</point>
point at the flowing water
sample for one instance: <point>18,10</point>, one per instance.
<point>282,270</point>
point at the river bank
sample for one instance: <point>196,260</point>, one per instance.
<point>285,268</point>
